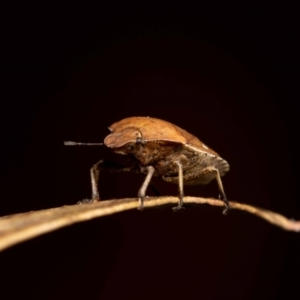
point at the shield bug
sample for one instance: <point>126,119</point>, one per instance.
<point>159,148</point>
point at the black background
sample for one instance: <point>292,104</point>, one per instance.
<point>226,72</point>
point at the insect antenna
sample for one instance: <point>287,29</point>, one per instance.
<point>69,143</point>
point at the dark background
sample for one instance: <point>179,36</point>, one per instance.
<point>225,72</point>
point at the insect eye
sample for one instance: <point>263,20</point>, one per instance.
<point>139,140</point>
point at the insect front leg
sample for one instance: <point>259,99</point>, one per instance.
<point>105,166</point>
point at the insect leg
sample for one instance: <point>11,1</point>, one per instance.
<point>105,166</point>
<point>143,188</point>
<point>204,176</point>
<point>224,198</point>
<point>180,187</point>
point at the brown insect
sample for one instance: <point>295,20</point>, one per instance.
<point>159,148</point>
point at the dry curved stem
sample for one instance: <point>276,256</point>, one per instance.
<point>21,227</point>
